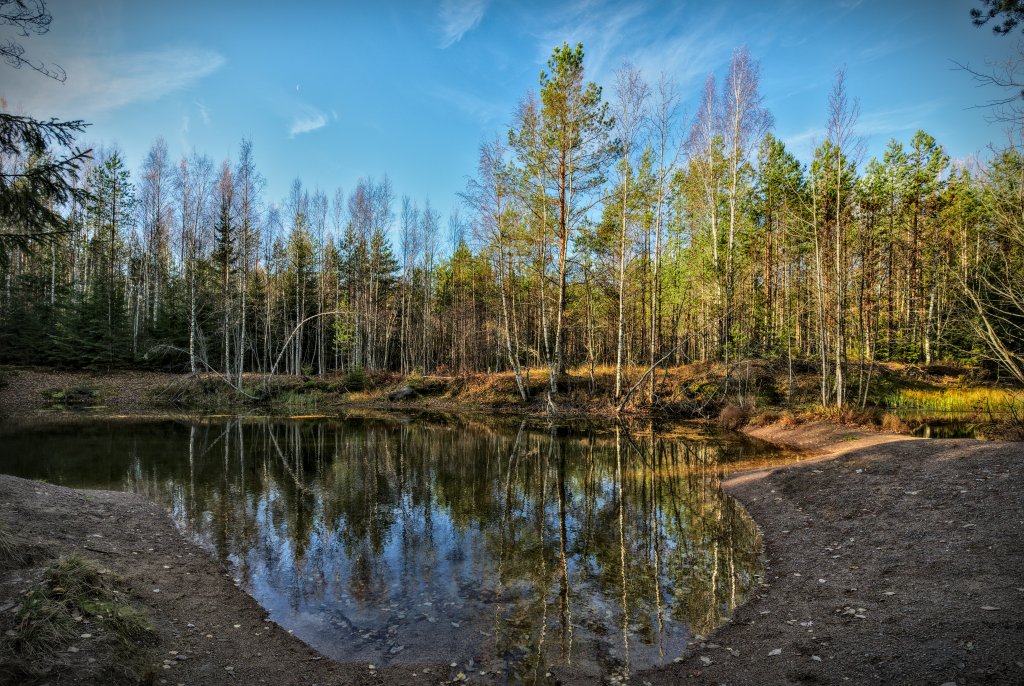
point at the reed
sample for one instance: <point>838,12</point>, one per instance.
<point>977,400</point>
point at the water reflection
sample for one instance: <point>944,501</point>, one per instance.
<point>384,541</point>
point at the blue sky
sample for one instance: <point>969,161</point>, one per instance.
<point>331,91</point>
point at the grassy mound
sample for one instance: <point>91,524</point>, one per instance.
<point>74,606</point>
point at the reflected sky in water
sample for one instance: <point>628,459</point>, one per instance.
<point>504,548</point>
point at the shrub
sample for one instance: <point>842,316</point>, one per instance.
<point>732,417</point>
<point>355,380</point>
<point>789,420</point>
<point>894,424</point>
<point>766,418</point>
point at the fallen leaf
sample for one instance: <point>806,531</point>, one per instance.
<point>777,651</point>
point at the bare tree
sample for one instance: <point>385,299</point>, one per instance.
<point>248,184</point>
<point>631,93</point>
<point>156,216</point>
<point>995,289</point>
<point>193,185</point>
<point>27,17</point>
<point>703,146</point>
<point>665,121</point>
<point>746,122</point>
<point>488,195</point>
<point>843,114</point>
<point>409,227</point>
<point>431,226</point>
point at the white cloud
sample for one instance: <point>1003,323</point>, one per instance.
<point>651,39</point>
<point>878,126</point>
<point>98,84</point>
<point>204,113</point>
<point>458,17</point>
<point>310,119</point>
<point>804,142</point>
<point>887,47</point>
<point>471,105</point>
<point>896,120</point>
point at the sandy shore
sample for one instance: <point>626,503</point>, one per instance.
<point>196,608</point>
<point>889,560</point>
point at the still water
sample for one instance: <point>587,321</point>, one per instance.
<point>501,547</point>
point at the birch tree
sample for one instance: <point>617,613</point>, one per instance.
<point>631,92</point>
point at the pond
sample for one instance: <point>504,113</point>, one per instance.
<point>500,546</point>
<point>947,423</point>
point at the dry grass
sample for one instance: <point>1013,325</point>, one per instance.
<point>894,424</point>
<point>8,548</point>
<point>53,613</point>
<point>981,399</point>
<point>765,418</point>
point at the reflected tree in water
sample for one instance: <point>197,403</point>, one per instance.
<point>520,547</point>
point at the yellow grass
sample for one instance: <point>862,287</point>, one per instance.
<point>957,399</point>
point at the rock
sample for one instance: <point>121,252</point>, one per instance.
<point>403,393</point>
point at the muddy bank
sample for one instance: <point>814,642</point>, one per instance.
<point>890,561</point>
<point>30,395</point>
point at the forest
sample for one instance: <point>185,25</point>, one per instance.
<point>602,230</point>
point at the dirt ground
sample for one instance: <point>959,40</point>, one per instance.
<point>889,560</point>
